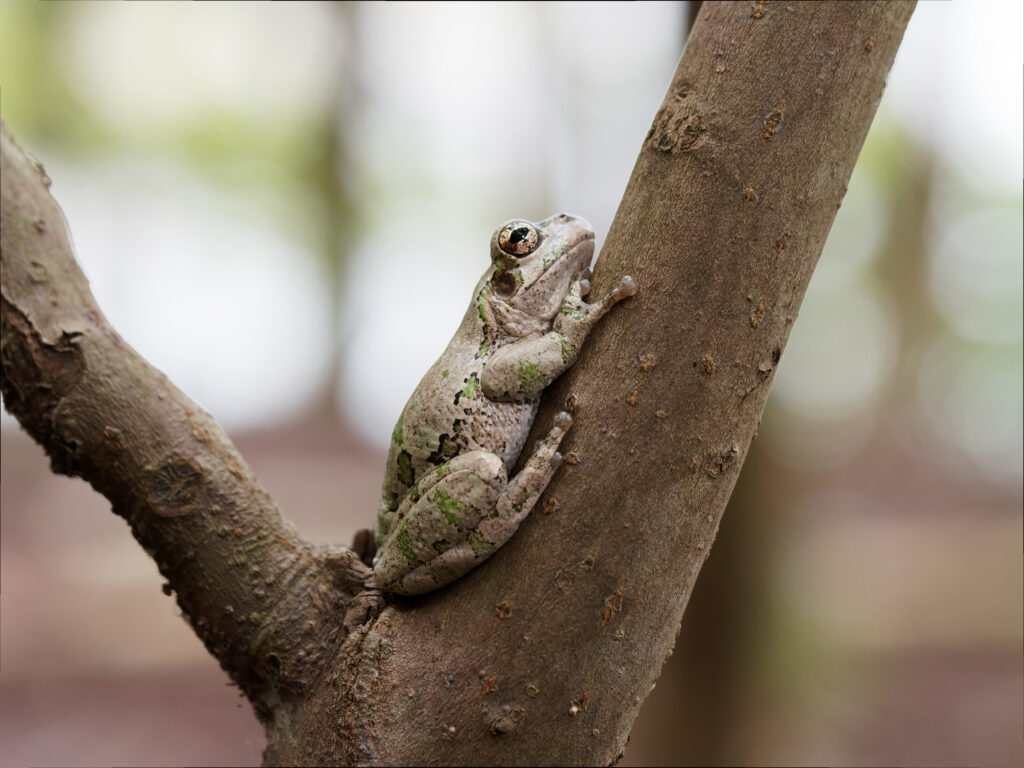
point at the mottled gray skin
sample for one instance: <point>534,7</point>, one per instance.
<point>447,501</point>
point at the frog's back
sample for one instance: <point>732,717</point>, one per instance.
<point>448,415</point>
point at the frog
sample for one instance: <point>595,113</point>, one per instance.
<point>449,499</point>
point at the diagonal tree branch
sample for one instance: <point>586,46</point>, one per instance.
<point>251,587</point>
<point>545,653</point>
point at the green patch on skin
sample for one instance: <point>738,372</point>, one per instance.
<point>414,493</point>
<point>396,434</point>
<point>403,543</point>
<point>444,374</point>
<point>443,470</point>
<point>405,474</point>
<point>481,308</point>
<point>450,508</point>
<point>528,374</point>
<point>471,388</point>
<point>479,545</point>
<point>568,349</point>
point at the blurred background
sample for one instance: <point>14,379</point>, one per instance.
<point>286,207</point>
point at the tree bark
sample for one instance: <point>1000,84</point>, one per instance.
<point>253,590</point>
<point>544,653</point>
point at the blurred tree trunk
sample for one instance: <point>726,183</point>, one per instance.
<point>545,653</point>
<point>332,176</point>
<point>711,682</point>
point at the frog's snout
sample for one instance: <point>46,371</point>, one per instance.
<point>577,237</point>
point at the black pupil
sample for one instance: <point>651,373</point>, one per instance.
<point>518,235</point>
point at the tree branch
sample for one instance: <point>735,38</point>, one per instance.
<point>251,587</point>
<point>545,653</point>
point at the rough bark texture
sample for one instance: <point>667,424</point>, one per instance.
<point>544,654</point>
<point>267,604</point>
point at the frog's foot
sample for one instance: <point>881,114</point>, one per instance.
<point>584,282</point>
<point>523,490</point>
<point>577,316</point>
<point>625,289</point>
<point>578,288</point>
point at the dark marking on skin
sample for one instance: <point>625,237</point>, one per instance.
<point>505,284</point>
<point>448,446</point>
<point>446,450</point>
<point>485,326</point>
<point>405,473</point>
<point>471,389</point>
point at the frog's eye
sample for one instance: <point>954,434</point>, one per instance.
<point>518,238</point>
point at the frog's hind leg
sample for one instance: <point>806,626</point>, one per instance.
<point>441,511</point>
<point>510,508</point>
<point>443,530</point>
<point>387,518</point>
<point>523,490</point>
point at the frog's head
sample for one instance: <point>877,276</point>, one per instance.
<point>534,263</point>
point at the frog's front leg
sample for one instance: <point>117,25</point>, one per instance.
<point>523,369</point>
<point>464,517</point>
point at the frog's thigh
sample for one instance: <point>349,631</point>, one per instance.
<point>466,489</point>
<point>386,517</point>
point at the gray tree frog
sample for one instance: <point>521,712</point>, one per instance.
<point>448,502</point>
